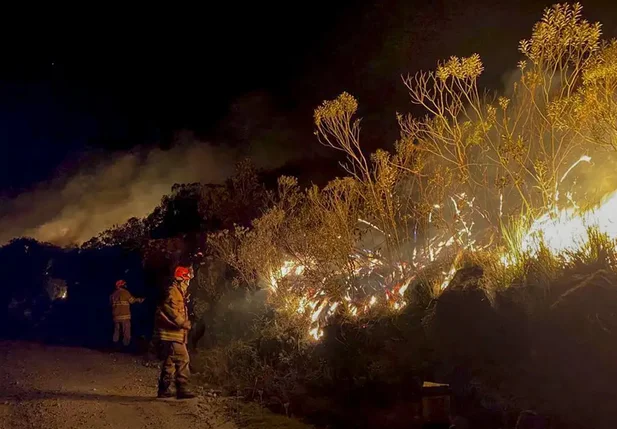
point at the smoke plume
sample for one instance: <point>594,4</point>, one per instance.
<point>107,191</point>
<point>100,190</point>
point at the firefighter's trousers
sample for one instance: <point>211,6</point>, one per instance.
<point>175,368</point>
<point>122,328</point>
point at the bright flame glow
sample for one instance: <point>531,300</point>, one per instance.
<point>567,230</point>
<point>373,284</point>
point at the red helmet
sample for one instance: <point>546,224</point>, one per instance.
<point>120,283</point>
<point>182,273</point>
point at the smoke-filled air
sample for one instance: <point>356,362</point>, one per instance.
<point>110,189</point>
<point>476,257</point>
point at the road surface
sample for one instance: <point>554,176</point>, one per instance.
<point>71,388</point>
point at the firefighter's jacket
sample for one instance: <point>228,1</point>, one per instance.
<point>171,315</point>
<point>121,301</point>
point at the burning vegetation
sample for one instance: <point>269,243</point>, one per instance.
<point>495,181</point>
<point>480,251</point>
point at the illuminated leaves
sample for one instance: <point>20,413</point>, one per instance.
<point>561,36</point>
<point>503,102</point>
<point>591,110</point>
<point>461,68</point>
<point>339,109</point>
<point>603,67</point>
<point>507,154</point>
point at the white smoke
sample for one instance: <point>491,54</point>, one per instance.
<point>109,191</point>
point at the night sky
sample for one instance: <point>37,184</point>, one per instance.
<point>109,80</point>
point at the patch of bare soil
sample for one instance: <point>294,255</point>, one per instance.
<point>61,387</point>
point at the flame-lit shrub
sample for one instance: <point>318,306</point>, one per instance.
<point>496,177</point>
<point>518,186</point>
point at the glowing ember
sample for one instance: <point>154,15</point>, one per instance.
<point>404,287</point>
<point>316,333</point>
<point>448,277</point>
<point>374,284</point>
<point>289,267</point>
<point>317,313</point>
<point>333,309</point>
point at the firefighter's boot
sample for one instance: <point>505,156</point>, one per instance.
<point>165,393</point>
<point>164,390</point>
<point>183,392</point>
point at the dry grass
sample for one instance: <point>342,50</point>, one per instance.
<point>516,150</point>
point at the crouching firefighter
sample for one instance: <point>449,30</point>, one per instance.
<point>172,326</point>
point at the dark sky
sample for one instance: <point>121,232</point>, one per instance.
<point>110,79</point>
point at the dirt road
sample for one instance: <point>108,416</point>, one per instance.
<point>71,388</point>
